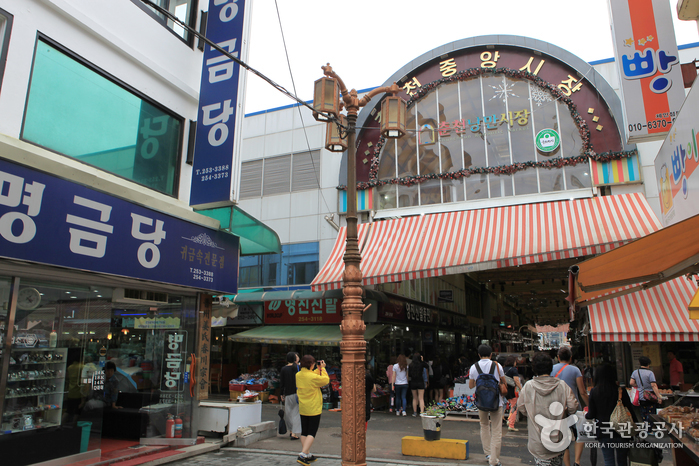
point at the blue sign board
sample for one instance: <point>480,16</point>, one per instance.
<point>212,170</point>
<point>53,221</point>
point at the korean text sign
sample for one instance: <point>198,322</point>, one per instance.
<point>304,311</point>
<point>648,61</point>
<point>49,220</point>
<point>220,106</point>
<point>174,359</point>
<point>676,165</point>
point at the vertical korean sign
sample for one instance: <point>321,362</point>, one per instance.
<point>648,61</point>
<point>174,358</point>
<point>203,347</point>
<point>215,172</point>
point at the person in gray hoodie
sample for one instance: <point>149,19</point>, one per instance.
<point>547,402</point>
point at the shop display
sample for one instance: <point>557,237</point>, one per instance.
<point>35,389</point>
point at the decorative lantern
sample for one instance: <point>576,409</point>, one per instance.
<point>326,98</point>
<point>393,111</point>
<point>334,140</point>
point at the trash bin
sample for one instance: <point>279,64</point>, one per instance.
<point>85,437</point>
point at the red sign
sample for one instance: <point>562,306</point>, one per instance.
<point>304,311</point>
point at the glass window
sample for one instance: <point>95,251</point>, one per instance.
<point>181,9</point>
<point>298,264</point>
<point>5,29</point>
<point>78,112</point>
<point>485,121</point>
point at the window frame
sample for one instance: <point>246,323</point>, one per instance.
<point>5,43</point>
<point>40,37</point>
<point>163,22</point>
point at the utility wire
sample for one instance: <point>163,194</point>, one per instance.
<point>213,45</point>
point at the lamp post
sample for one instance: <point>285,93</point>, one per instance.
<point>340,135</point>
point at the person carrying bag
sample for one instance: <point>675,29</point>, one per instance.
<point>648,394</point>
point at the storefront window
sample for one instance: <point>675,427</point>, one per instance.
<point>501,116</point>
<point>296,265</point>
<point>77,111</point>
<point>66,338</point>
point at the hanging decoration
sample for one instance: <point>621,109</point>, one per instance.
<point>587,153</point>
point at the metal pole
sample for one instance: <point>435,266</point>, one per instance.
<point>353,345</point>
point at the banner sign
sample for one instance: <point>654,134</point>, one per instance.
<point>215,170</point>
<point>676,165</point>
<point>53,221</point>
<point>173,363</point>
<point>648,61</point>
<point>304,311</point>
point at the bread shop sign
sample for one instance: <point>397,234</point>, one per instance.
<point>304,311</point>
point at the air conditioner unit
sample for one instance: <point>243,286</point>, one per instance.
<point>133,296</point>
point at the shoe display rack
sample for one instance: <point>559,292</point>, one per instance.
<point>35,389</point>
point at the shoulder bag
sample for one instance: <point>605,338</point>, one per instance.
<point>621,419</point>
<point>648,394</point>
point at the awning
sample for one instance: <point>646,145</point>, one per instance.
<point>658,257</point>
<point>466,241</point>
<point>313,335</point>
<point>655,314</point>
<point>287,295</point>
<point>255,236</point>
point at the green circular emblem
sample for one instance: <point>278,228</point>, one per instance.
<point>547,140</point>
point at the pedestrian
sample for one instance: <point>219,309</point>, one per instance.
<point>309,379</point>
<point>644,379</point>
<point>547,401</point>
<point>399,382</point>
<point>603,399</point>
<point>418,382</point>
<point>489,372</point>
<point>287,378</point>
<point>389,377</point>
<point>571,375</point>
<point>514,386</point>
<point>370,387</point>
<point>440,379</point>
<point>676,371</point>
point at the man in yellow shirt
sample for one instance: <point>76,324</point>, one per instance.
<point>309,379</point>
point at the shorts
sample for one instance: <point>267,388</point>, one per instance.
<point>309,425</point>
<point>417,385</point>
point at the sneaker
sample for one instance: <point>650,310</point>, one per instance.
<point>302,460</point>
<point>398,413</point>
<point>414,414</point>
<point>487,457</point>
<point>404,414</point>
<point>514,429</point>
<point>311,458</point>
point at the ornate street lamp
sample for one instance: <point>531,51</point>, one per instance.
<point>353,346</point>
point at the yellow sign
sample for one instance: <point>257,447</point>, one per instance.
<point>693,307</point>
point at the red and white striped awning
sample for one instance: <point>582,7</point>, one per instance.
<point>656,314</point>
<point>466,241</point>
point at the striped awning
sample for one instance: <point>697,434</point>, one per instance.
<point>656,314</point>
<point>466,241</point>
<point>312,335</point>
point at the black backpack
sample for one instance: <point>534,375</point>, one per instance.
<point>487,390</point>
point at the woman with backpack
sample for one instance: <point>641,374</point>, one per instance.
<point>399,383</point>
<point>418,373</point>
<point>513,388</point>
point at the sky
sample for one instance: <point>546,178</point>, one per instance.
<point>366,41</point>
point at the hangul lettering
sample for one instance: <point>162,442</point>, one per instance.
<point>624,429</point>
<point>330,305</point>
<point>218,122</point>
<point>447,67</point>
<point>96,244</point>
<point>504,119</point>
<point>173,360</point>
<point>207,258</point>
<point>317,306</point>
<point>186,253</point>
<point>528,68</point>
<point>522,116</point>
<point>229,10</point>
<point>291,307</point>
<point>659,429</point>
<point>676,428</point>
<point>590,429</point>
<point>171,379</point>
<point>459,126</point>
<point>303,304</point>
<point>567,87</point>
<point>640,65</point>
<point>151,144</point>
<point>475,126</point>
<point>606,428</point>
<point>491,122</point>
<point>411,85</point>
<point>200,256</point>
<point>489,60</point>
<point>444,129</point>
<point>221,261</point>
<point>665,61</point>
<point>214,259</point>
<point>174,340</point>
<point>642,429</point>
<point>224,70</point>
<point>16,195</point>
<point>156,236</point>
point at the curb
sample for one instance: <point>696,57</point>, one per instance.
<point>186,452</point>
